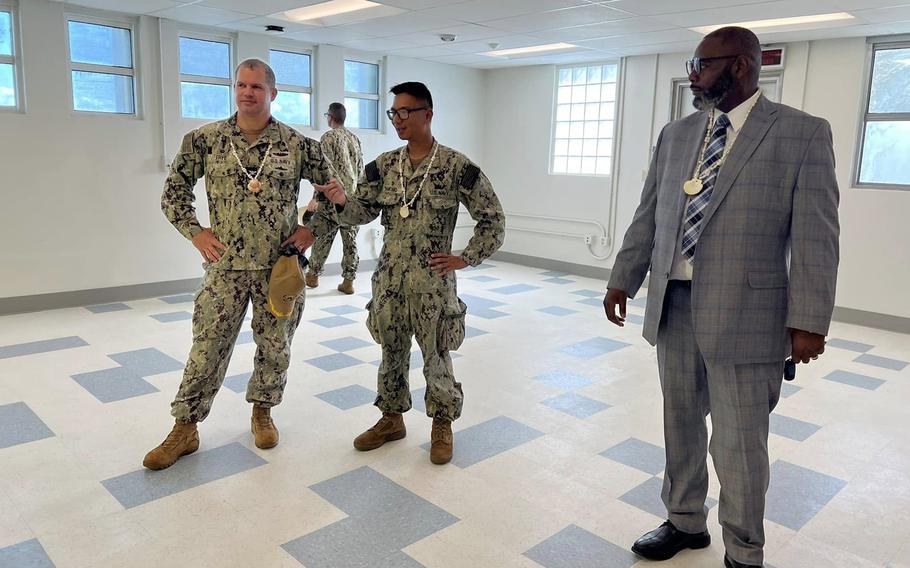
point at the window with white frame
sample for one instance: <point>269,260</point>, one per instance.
<point>886,125</point>
<point>585,119</point>
<point>205,78</point>
<point>361,94</point>
<point>9,97</point>
<point>101,67</point>
<point>293,105</point>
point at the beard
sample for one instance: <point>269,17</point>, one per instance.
<point>714,95</point>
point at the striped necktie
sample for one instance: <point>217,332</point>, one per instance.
<point>695,208</point>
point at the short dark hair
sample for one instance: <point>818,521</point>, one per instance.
<point>338,112</point>
<point>417,90</point>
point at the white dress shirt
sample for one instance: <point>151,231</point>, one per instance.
<point>682,268</point>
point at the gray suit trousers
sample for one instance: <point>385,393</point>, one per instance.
<point>739,399</point>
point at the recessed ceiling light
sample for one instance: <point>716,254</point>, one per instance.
<point>326,9</point>
<point>779,22</point>
<point>530,50</point>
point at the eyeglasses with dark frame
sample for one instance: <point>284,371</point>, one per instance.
<point>403,112</point>
<point>696,64</point>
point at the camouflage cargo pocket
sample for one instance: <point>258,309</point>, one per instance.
<point>371,323</point>
<point>450,333</point>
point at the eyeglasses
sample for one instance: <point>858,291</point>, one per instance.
<point>327,115</point>
<point>696,64</point>
<point>403,112</point>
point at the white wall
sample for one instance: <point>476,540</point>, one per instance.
<point>825,78</point>
<point>81,200</point>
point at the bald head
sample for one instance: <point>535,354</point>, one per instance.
<point>741,41</point>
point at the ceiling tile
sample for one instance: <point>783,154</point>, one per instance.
<point>884,15</point>
<point>373,45</point>
<point>748,13</point>
<point>463,33</point>
<point>654,7</point>
<point>563,18</point>
<point>635,40</point>
<point>850,5</point>
<point>135,6</point>
<point>259,7</point>
<point>604,29</point>
<point>258,24</point>
<point>332,36</point>
<point>401,24</point>
<point>480,11</point>
<point>202,15</point>
<point>417,4</point>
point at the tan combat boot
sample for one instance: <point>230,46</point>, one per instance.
<point>183,440</point>
<point>312,279</point>
<point>346,287</point>
<point>390,427</point>
<point>441,441</point>
<point>263,428</point>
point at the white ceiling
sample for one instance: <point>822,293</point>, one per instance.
<point>601,29</point>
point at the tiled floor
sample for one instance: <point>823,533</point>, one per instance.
<point>558,455</point>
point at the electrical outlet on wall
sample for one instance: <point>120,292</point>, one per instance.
<point>588,239</point>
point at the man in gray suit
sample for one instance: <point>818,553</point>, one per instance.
<point>738,225</point>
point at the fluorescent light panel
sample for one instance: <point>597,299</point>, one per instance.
<point>327,9</point>
<point>530,50</point>
<point>779,22</point>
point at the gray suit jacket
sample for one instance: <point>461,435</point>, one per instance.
<point>768,253</point>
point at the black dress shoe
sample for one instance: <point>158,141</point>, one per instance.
<point>666,540</point>
<point>730,563</point>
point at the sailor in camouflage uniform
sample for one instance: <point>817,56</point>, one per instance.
<point>417,190</point>
<point>342,151</point>
<point>252,166</point>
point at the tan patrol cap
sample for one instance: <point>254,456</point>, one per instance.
<point>285,285</point>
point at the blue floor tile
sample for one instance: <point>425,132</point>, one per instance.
<point>179,299</point>
<point>117,383</point>
<point>789,389</point>
<point>147,362</point>
<point>589,293</point>
<point>20,425</point>
<point>106,308</point>
<point>334,321</point>
<point>484,266</point>
<point>635,319</point>
<point>560,281</point>
<point>44,346</point>
<point>646,497</point>
<point>594,347</point>
<point>554,274</point>
<point>470,332</point>
<point>557,311</point>
<point>173,316</point>
<point>342,310</point>
<point>478,303</point>
<point>643,456</point>
<point>854,379</point>
<point>383,518</point>
<point>417,400</point>
<point>334,362</point>
<point>641,302</point>
<point>574,547</point>
<point>237,383</point>
<point>488,314</point>
<point>28,554</point>
<point>792,428</point>
<point>515,289</point>
<point>796,494</point>
<point>882,362</point>
<point>596,302</point>
<point>563,380</point>
<point>576,405</point>
<point>848,345</point>
<point>487,439</point>
<point>143,486</point>
<point>348,397</point>
<point>245,337</point>
<point>483,278</point>
<point>346,343</point>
